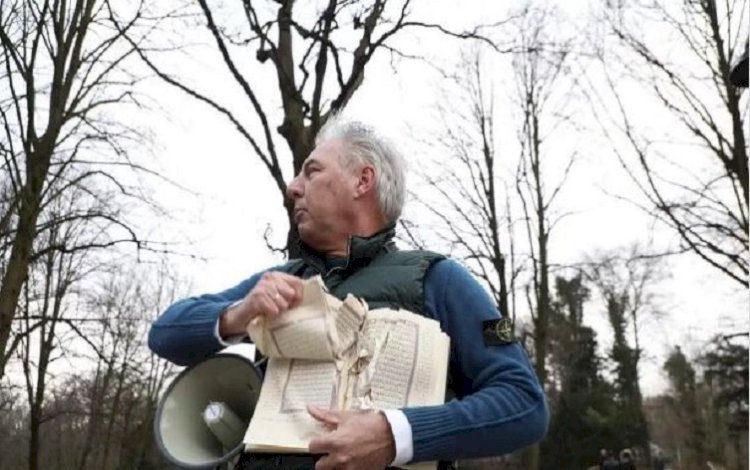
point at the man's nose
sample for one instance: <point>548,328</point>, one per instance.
<point>294,188</point>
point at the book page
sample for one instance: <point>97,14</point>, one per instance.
<point>406,362</point>
<point>402,360</point>
<point>281,422</point>
<point>321,327</point>
<point>348,322</point>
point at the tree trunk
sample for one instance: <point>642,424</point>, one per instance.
<point>18,267</point>
<point>114,408</point>
<point>17,270</point>
<point>97,402</point>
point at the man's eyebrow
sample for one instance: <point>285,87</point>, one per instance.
<point>309,162</point>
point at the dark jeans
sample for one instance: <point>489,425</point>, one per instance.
<point>276,461</point>
<point>291,462</point>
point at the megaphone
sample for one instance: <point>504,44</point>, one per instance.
<point>203,415</point>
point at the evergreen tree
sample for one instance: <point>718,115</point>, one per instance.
<point>631,421</point>
<point>726,378</point>
<point>704,416</point>
<point>684,404</point>
<point>581,399</point>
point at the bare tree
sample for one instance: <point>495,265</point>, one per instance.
<point>127,379</point>
<point>472,218</point>
<point>543,89</point>
<point>12,423</point>
<point>64,69</point>
<point>43,307</point>
<point>541,77</point>
<point>470,202</point>
<point>52,328</point>
<point>99,415</point>
<point>318,54</point>
<point>694,180</point>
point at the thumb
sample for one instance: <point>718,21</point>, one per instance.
<point>330,418</point>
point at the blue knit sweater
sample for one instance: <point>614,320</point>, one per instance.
<point>500,408</point>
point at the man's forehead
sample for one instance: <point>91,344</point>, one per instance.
<point>325,152</point>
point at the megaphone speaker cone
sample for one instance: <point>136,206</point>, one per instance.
<point>203,415</point>
<point>224,424</point>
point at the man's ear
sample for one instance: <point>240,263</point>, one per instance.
<point>366,181</point>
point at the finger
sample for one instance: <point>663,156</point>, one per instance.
<point>325,463</point>
<point>278,300</point>
<point>262,287</point>
<point>327,417</point>
<point>323,414</point>
<point>328,425</point>
<point>268,306</point>
<point>277,285</point>
<point>290,280</point>
<point>321,445</point>
<point>292,293</point>
<point>286,292</point>
<point>278,277</point>
<point>282,303</point>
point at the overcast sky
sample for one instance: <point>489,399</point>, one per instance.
<point>235,201</point>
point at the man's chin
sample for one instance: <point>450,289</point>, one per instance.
<point>311,237</point>
<point>305,233</point>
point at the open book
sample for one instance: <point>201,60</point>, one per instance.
<point>340,355</point>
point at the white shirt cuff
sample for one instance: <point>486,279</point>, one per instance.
<point>232,339</point>
<point>402,436</point>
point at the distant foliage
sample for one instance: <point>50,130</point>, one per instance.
<point>704,416</point>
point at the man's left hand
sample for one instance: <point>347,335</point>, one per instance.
<point>357,440</point>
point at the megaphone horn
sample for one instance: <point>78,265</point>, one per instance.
<point>203,415</point>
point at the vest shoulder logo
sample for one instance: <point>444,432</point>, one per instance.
<point>498,332</point>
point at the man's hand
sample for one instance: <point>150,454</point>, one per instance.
<point>357,440</point>
<point>275,293</point>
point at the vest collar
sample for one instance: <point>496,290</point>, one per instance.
<point>360,250</point>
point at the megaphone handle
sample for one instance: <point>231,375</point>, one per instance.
<point>262,363</point>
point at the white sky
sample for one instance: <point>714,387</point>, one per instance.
<point>236,199</point>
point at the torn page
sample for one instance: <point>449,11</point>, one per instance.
<point>321,327</point>
<point>403,362</point>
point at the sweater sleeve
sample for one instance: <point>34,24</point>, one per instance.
<point>501,406</point>
<point>185,332</point>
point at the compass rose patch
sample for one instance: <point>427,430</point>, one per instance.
<point>498,332</point>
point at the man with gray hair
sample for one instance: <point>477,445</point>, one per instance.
<point>347,199</point>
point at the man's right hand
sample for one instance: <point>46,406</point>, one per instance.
<point>275,293</point>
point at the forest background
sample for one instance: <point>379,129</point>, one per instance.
<point>587,161</point>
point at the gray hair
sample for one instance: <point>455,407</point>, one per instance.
<point>365,146</point>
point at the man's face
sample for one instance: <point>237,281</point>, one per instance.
<point>324,195</point>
